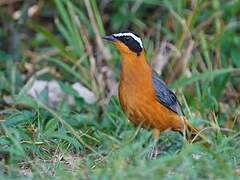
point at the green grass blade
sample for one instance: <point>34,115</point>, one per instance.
<point>204,76</point>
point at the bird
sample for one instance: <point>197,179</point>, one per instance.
<point>144,97</point>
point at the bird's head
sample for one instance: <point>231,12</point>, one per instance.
<point>126,42</point>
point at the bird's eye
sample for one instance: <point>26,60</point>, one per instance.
<point>127,38</point>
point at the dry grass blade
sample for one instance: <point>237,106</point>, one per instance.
<point>163,56</point>
<point>181,65</point>
<point>105,52</point>
<point>203,25</point>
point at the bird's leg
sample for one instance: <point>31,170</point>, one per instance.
<point>154,151</point>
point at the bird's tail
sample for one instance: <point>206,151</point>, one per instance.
<point>194,135</point>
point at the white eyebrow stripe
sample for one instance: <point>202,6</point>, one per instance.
<point>132,35</point>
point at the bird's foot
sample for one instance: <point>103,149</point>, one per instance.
<point>154,151</point>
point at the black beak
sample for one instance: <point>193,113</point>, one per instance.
<point>109,37</point>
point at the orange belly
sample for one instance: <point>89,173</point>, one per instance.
<point>143,108</point>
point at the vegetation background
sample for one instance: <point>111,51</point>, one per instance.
<point>59,114</point>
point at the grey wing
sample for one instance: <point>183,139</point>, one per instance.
<point>165,95</point>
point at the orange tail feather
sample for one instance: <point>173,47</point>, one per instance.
<point>194,135</point>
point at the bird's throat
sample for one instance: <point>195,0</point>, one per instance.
<point>135,70</point>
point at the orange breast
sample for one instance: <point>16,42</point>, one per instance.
<point>138,97</point>
<point>143,108</point>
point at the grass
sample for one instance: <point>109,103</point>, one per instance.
<point>193,44</point>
